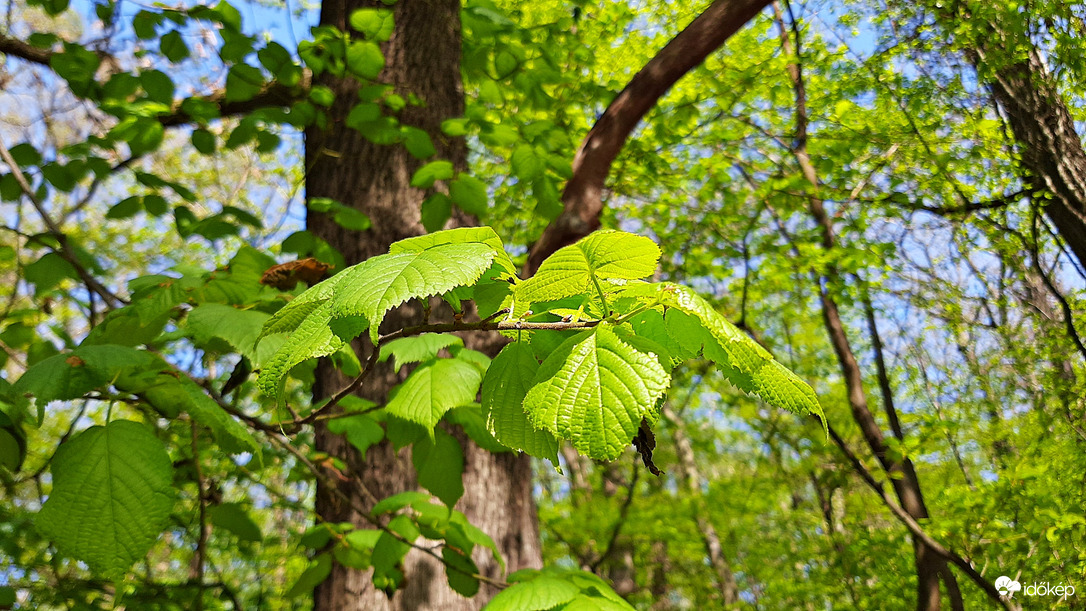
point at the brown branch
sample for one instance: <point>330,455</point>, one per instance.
<point>272,94</point>
<point>582,197</point>
<point>914,527</point>
<point>64,249</point>
<point>16,48</point>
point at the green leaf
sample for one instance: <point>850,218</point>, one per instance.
<point>433,389</point>
<point>539,594</point>
<point>158,86</point>
<point>361,431</point>
<point>594,391</point>
<point>460,235</point>
<point>398,501</point>
<point>418,348</point>
<point>239,328</point>
<point>350,218</point>
<point>313,338</point>
<point>526,163</point>
<point>424,177</point>
<point>460,571</point>
<point>290,316</point>
<point>469,193</point>
<point>77,65</point>
<point>435,211</point>
<point>125,327</point>
<point>317,571</point>
<point>364,59</point>
<point>440,467</point>
<point>12,444</point>
<point>381,283</point>
<point>233,436</point>
<point>233,518</point>
<point>418,143</point>
<point>243,82</point>
<point>604,255</point>
<point>376,24</point>
<point>747,365</point>
<point>507,381</point>
<point>111,497</point>
<point>203,141</point>
<point>472,420</point>
<point>72,375</point>
<point>173,46</point>
<point>47,272</point>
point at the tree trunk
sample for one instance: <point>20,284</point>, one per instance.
<point>688,471</point>
<point>422,59</point>
<point>1049,147</point>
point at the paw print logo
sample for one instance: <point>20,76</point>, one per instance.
<point>1007,586</point>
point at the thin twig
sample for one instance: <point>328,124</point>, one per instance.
<point>622,514</point>
<point>201,540</point>
<point>64,249</point>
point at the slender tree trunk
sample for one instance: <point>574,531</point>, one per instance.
<point>688,470</point>
<point>422,59</point>
<point>930,567</point>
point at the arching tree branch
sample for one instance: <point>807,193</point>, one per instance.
<point>582,197</point>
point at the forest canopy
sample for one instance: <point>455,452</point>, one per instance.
<point>468,304</point>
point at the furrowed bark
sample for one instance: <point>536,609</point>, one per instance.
<point>422,58</point>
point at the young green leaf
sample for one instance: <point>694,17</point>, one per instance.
<point>239,328</point>
<point>538,594</point>
<point>460,235</point>
<point>433,389</point>
<point>440,467</point>
<point>418,348</point>
<point>604,255</point>
<point>233,436</point>
<point>594,391</point>
<point>506,383</point>
<point>746,364</point>
<point>381,283</point>
<point>313,338</point>
<point>111,497</point>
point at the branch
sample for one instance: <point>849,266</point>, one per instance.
<point>17,48</point>
<point>914,528</point>
<point>64,250</point>
<point>966,208</point>
<point>582,197</point>
<point>272,94</point>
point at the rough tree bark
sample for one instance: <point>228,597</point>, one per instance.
<point>422,58</point>
<point>1049,148</point>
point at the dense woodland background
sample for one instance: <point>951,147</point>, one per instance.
<point>889,196</point>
